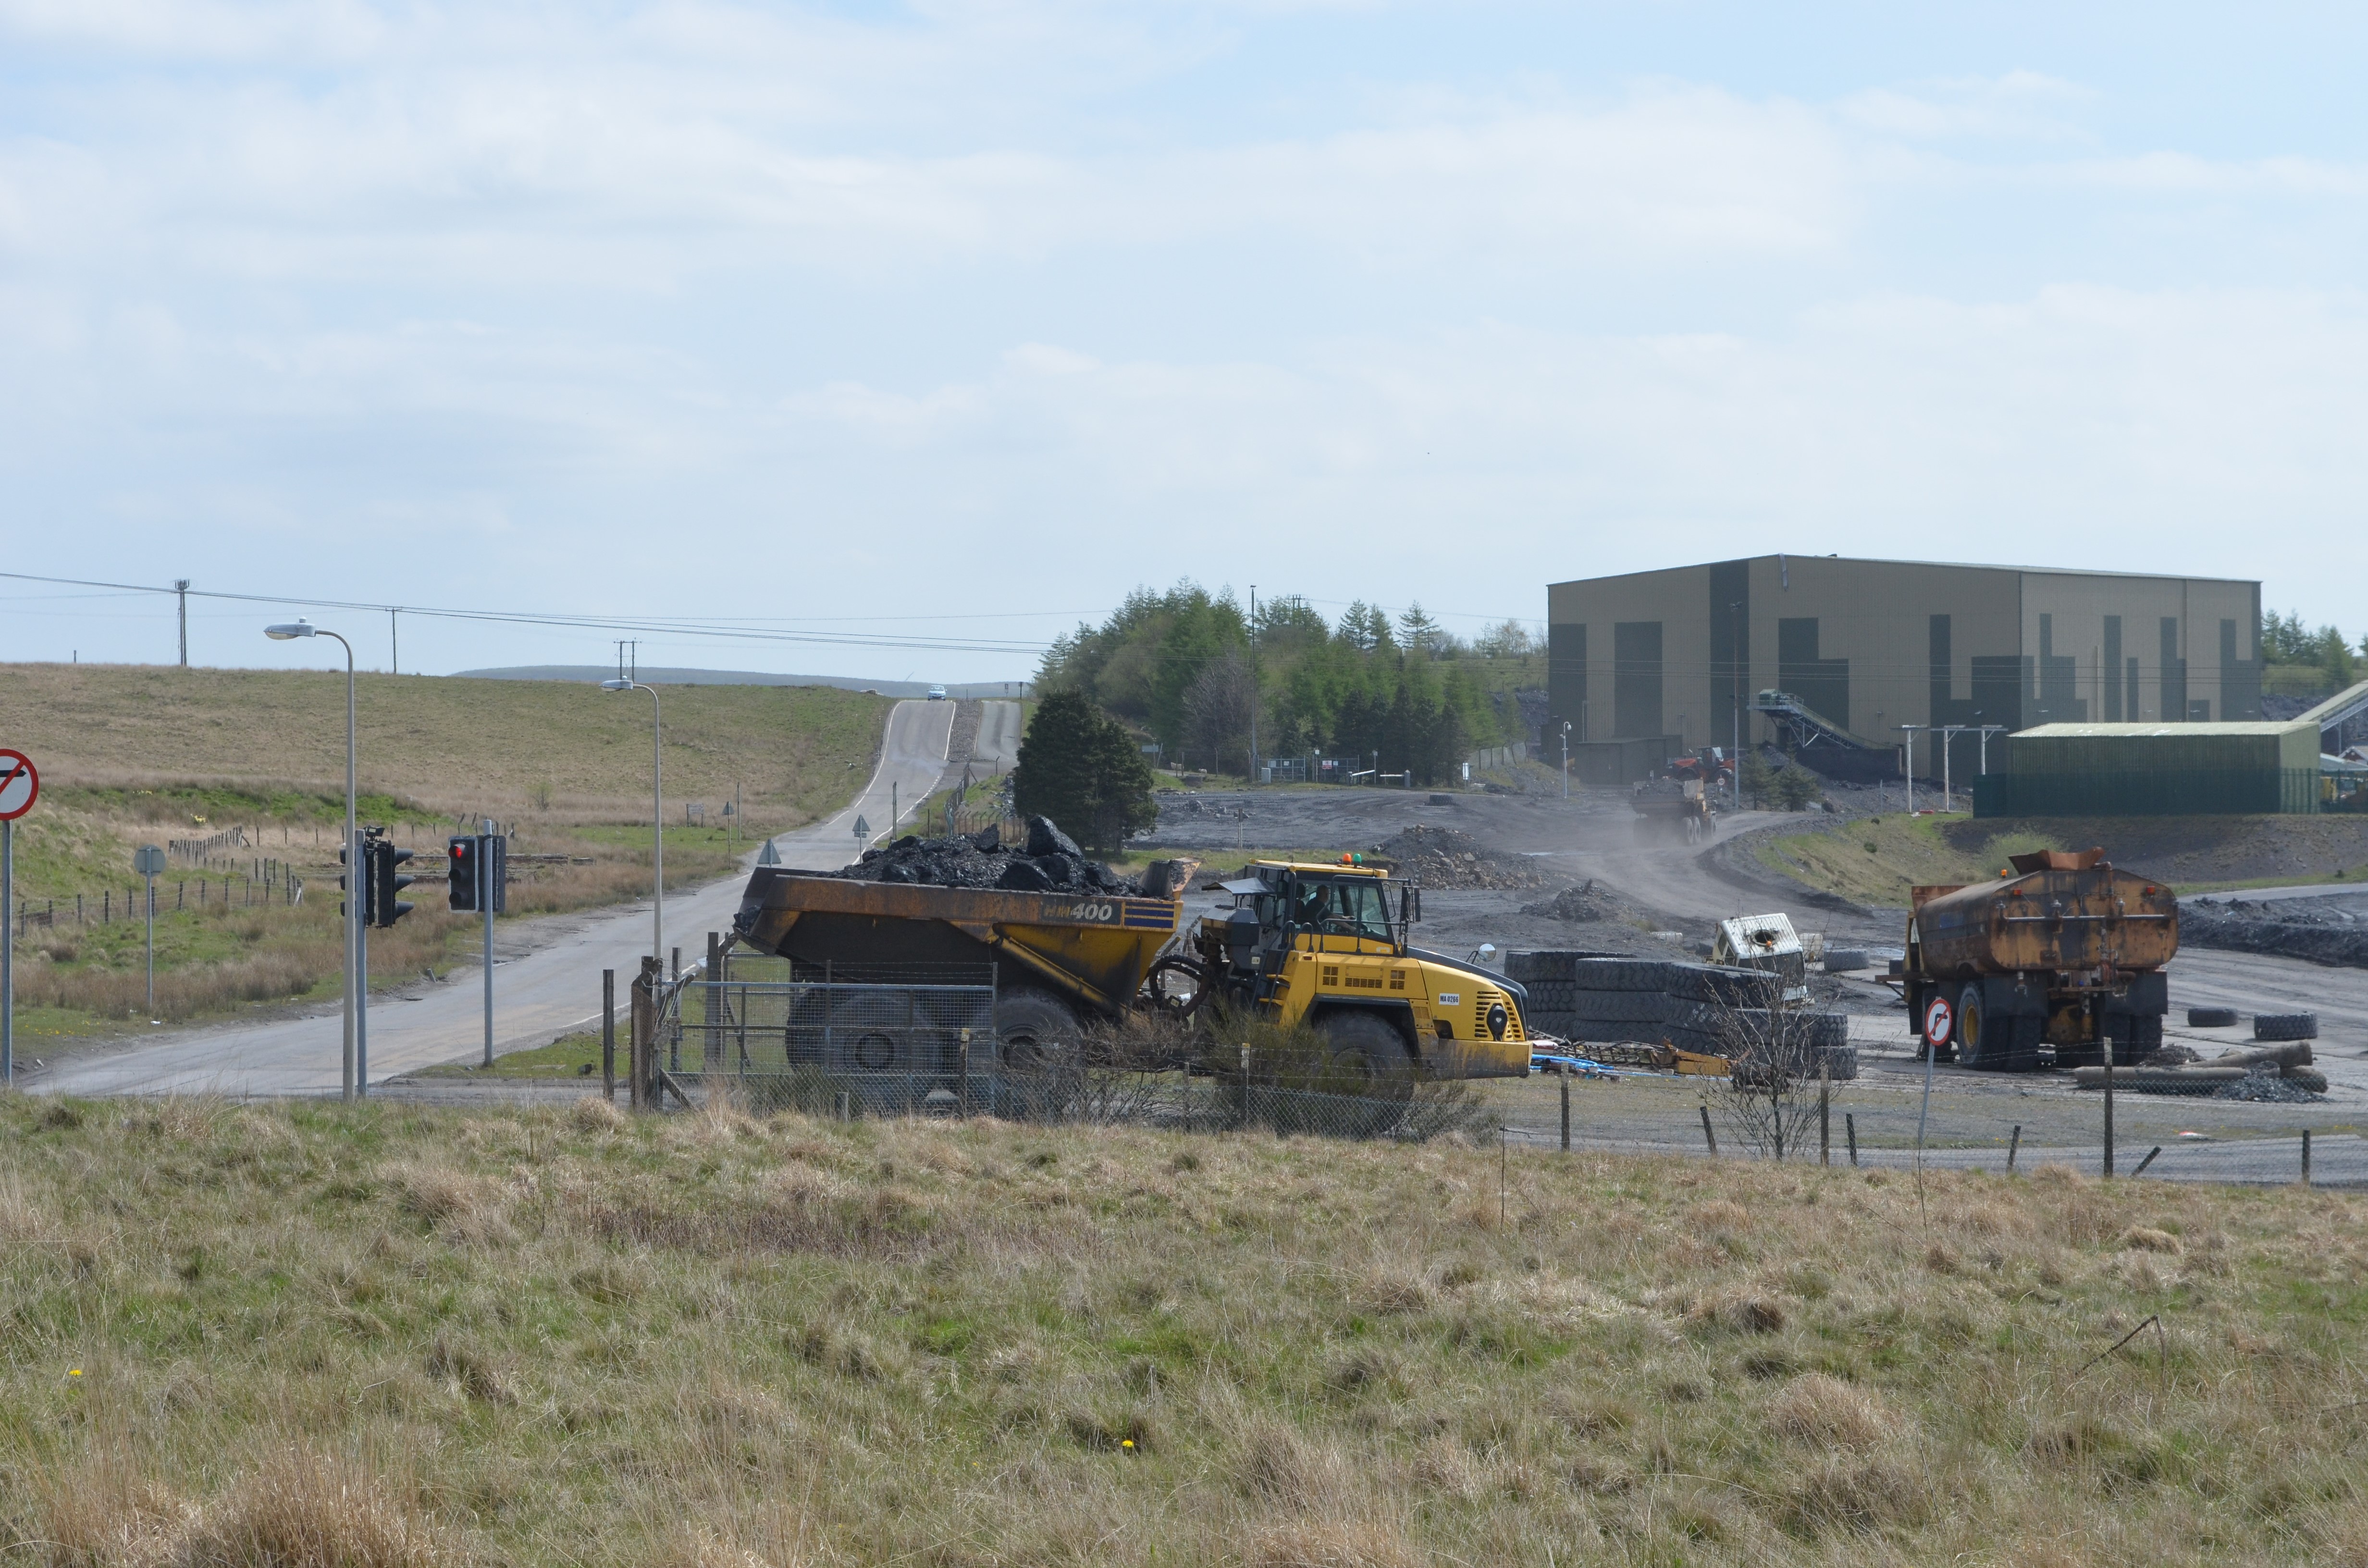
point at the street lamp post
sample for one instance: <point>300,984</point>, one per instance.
<point>657,812</point>
<point>1735,761</point>
<point>356,972</point>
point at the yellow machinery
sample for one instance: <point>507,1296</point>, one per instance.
<point>1323,944</point>
<point>1327,944</point>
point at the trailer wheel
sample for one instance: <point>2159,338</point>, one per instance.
<point>1034,1029</point>
<point>1369,1051</point>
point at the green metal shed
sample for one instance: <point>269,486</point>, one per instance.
<point>2155,770</point>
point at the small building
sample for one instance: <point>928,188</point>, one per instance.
<point>2121,771</point>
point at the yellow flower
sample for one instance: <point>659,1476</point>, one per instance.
<point>75,1373</point>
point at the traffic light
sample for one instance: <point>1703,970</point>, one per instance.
<point>462,858</point>
<point>385,883</point>
<point>362,880</point>
<point>478,861</point>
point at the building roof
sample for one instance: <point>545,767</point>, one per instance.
<point>1951,565</point>
<point>2169,731</point>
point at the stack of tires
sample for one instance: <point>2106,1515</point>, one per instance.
<point>1693,1006</point>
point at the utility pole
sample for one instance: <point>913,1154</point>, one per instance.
<point>1565,759</point>
<point>181,590</point>
<point>1254,686</point>
<point>1911,730</point>
<point>393,642</point>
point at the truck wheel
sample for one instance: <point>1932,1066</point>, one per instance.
<point>1975,1050</point>
<point>2286,1026</point>
<point>1034,1029</point>
<point>2211,1018</point>
<point>2135,1037</point>
<point>1368,1050</point>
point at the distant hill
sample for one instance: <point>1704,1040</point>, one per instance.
<point>657,675</point>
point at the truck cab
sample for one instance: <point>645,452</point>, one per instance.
<point>1328,944</point>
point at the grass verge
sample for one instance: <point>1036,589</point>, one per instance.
<point>318,1333</point>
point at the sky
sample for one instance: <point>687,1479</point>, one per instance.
<point>899,338</point>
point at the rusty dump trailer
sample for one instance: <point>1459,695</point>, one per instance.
<point>2063,953</point>
<point>1058,958</point>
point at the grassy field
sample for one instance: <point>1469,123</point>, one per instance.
<point>137,755</point>
<point>316,1335</point>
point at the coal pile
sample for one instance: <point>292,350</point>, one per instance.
<point>1585,904</point>
<point>1049,862</point>
<point>2268,1087</point>
<point>1449,857</point>
<point>2327,936</point>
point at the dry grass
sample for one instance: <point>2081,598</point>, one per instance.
<point>135,755</point>
<point>385,1336</point>
<point>503,747</point>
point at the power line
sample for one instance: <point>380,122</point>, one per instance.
<point>735,630</point>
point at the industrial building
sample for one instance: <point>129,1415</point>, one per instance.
<point>1838,657</point>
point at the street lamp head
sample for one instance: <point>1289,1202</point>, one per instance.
<point>286,630</point>
<point>619,684</point>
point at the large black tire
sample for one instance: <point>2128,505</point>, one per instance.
<point>1844,960</point>
<point>1620,1006</point>
<point>2135,1037</point>
<point>1980,1049</point>
<point>1368,1050</point>
<point>2286,1026</point>
<point>1840,1063</point>
<point>1035,1030</point>
<point>1620,974</point>
<point>2211,1018</point>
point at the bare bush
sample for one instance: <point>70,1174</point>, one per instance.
<point>1771,1095</point>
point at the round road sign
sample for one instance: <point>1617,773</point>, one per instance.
<point>19,784</point>
<point>1938,1020</point>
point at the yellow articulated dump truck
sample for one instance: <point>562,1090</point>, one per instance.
<point>1326,944</point>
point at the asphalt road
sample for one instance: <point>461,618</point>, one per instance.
<point>537,994</point>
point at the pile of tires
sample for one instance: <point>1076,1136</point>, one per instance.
<point>1694,1006</point>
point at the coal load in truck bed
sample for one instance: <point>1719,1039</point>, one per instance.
<point>1049,862</point>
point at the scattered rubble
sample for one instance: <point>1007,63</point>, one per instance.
<point>1049,862</point>
<point>1450,858</point>
<point>1585,904</point>
<point>2270,1087</point>
<point>2282,927</point>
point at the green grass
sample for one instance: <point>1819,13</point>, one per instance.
<point>386,1336</point>
<point>569,1056</point>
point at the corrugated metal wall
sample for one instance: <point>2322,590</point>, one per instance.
<point>2157,790</point>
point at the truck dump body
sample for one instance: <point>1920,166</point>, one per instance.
<point>1093,948</point>
<point>2054,918</point>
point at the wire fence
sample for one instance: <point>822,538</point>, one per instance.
<point>921,1041</point>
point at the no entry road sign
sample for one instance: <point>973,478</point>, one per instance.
<point>20,786</point>
<point>1938,1021</point>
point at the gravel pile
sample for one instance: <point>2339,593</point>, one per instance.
<point>2268,1087</point>
<point>2257,925</point>
<point>1449,857</point>
<point>1584,904</point>
<point>1049,862</point>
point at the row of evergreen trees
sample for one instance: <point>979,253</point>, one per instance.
<point>1190,669</point>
